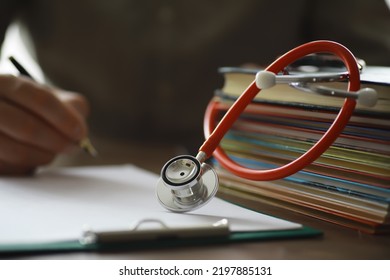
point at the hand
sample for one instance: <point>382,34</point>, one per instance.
<point>37,123</point>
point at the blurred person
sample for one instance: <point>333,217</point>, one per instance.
<point>145,70</point>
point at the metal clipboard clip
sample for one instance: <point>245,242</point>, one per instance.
<point>163,232</point>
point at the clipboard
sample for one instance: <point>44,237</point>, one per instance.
<point>207,226</point>
<point>159,242</point>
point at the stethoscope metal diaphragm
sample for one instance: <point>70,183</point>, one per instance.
<point>186,184</point>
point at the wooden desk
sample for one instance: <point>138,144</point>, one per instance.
<point>336,243</point>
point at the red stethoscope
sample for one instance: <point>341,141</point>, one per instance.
<point>187,182</point>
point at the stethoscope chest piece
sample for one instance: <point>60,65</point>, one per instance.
<point>186,184</point>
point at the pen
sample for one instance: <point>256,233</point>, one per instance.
<point>85,144</point>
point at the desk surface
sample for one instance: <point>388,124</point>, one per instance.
<point>337,242</point>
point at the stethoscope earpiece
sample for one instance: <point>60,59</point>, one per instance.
<point>366,97</point>
<point>265,79</point>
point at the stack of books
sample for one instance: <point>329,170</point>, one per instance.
<point>348,185</point>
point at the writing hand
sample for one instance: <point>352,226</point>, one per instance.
<point>37,123</point>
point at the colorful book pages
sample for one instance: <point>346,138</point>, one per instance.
<point>348,185</point>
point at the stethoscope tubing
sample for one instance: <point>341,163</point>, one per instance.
<point>214,133</point>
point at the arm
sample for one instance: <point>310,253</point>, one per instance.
<point>36,122</point>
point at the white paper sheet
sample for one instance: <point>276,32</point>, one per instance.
<point>56,204</point>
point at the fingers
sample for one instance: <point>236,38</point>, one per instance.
<point>37,123</point>
<point>17,158</point>
<point>44,103</point>
<point>75,101</point>
<point>22,127</point>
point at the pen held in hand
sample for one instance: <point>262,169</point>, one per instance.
<point>85,144</point>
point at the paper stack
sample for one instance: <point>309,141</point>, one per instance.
<point>348,185</point>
